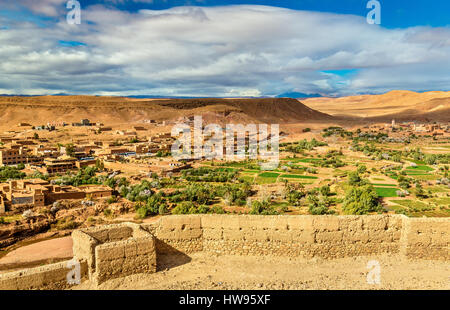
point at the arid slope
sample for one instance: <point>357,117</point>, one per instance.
<point>401,105</point>
<point>41,110</point>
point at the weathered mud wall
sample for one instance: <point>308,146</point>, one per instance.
<point>176,234</point>
<point>427,238</point>
<point>305,236</point>
<point>113,251</point>
<point>50,277</point>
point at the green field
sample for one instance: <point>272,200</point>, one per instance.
<point>386,191</point>
<point>247,178</point>
<point>445,201</point>
<point>263,180</point>
<point>426,177</point>
<point>269,175</point>
<point>420,168</point>
<point>411,204</point>
<point>296,176</point>
<point>381,184</point>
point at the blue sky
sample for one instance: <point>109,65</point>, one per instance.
<point>396,13</point>
<point>223,48</point>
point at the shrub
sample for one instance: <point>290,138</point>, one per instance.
<point>263,208</point>
<point>183,208</point>
<point>361,200</point>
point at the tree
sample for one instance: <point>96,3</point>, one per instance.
<point>99,165</point>
<point>430,159</point>
<point>361,169</point>
<point>361,200</point>
<point>318,205</point>
<point>419,190</point>
<point>70,149</point>
<point>35,136</point>
<point>354,179</point>
<point>325,190</point>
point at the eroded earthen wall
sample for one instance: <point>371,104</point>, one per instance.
<point>126,257</point>
<point>118,250</point>
<point>305,236</point>
<point>177,233</point>
<point>427,238</point>
<point>51,277</point>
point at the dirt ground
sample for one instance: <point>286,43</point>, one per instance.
<point>37,253</point>
<point>206,271</point>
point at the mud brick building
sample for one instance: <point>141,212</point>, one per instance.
<point>38,193</point>
<point>59,165</point>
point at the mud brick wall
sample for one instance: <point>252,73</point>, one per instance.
<point>122,258</point>
<point>110,233</point>
<point>113,251</point>
<point>427,238</point>
<point>305,236</point>
<point>51,277</point>
<point>177,233</point>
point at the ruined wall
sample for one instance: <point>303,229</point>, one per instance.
<point>51,277</point>
<point>177,233</point>
<point>427,238</point>
<point>126,257</point>
<point>305,236</point>
<point>114,251</point>
<point>118,250</point>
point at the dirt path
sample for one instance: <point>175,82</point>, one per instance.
<point>206,271</point>
<point>40,252</point>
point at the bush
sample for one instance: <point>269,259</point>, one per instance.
<point>217,210</point>
<point>183,208</point>
<point>111,200</point>
<point>318,205</point>
<point>7,172</point>
<point>361,200</point>
<point>162,209</point>
<point>263,208</point>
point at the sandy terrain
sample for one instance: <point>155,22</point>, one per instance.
<point>398,104</point>
<point>114,110</point>
<point>206,271</point>
<point>37,253</point>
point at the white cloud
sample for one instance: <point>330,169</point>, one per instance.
<point>219,51</point>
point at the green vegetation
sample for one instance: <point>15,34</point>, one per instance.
<point>8,172</point>
<point>383,184</point>
<point>204,174</point>
<point>336,131</point>
<point>386,191</point>
<point>302,145</point>
<point>296,176</point>
<point>361,200</point>
<point>82,177</point>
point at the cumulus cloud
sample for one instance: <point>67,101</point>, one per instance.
<point>220,51</point>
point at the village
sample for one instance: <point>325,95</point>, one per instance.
<point>95,173</point>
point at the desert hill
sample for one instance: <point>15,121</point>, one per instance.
<point>402,105</point>
<point>41,110</point>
